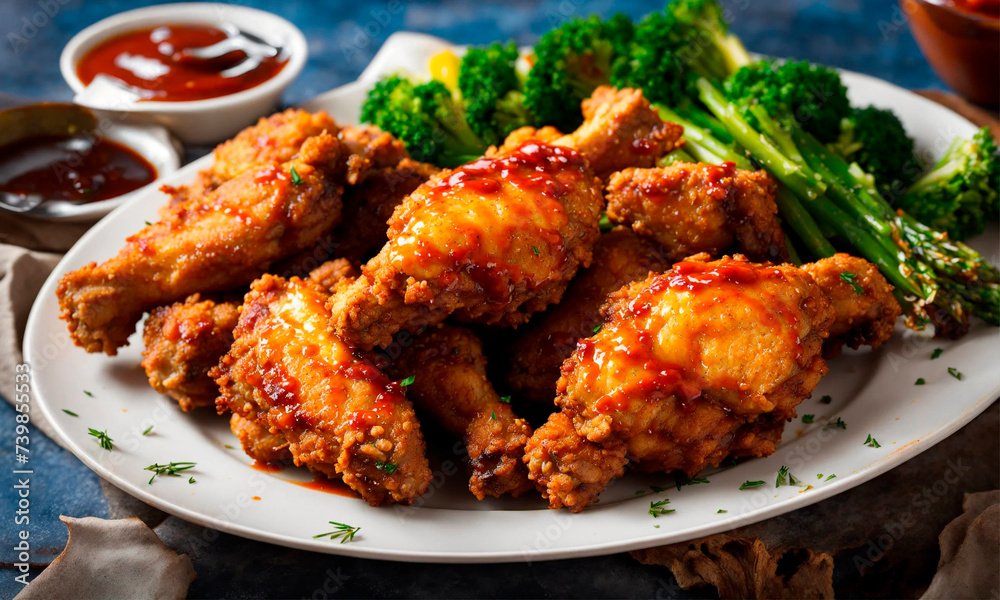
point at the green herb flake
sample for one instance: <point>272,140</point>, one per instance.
<point>493,415</point>
<point>808,418</point>
<point>920,381</point>
<point>388,467</point>
<point>826,399</point>
<point>148,223</point>
<point>88,393</point>
<point>191,480</point>
<point>850,278</point>
<point>720,511</point>
<point>535,250</point>
<point>659,508</point>
<point>505,399</point>
<point>682,480</point>
<point>598,328</point>
<point>937,353</point>
<point>147,430</point>
<point>342,531</point>
<point>838,423</point>
<point>172,469</point>
<point>656,489</point>
<point>829,477</point>
<point>955,373</point>
<point>295,177</point>
<point>640,492</point>
<point>782,478</point>
<point>408,381</point>
<point>872,442</point>
<point>102,438</point>
<point>751,484</point>
<point>70,413</point>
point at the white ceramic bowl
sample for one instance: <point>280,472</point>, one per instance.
<point>196,121</point>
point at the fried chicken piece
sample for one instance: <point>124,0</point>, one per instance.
<point>370,149</point>
<point>620,257</point>
<point>498,239</point>
<point>220,243</point>
<point>259,443</point>
<point>274,139</point>
<point>449,371</point>
<point>691,208</point>
<point>862,298</point>
<point>183,341</point>
<point>493,242</point>
<point>702,362</point>
<point>340,414</point>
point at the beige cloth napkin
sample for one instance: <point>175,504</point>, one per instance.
<point>29,250</point>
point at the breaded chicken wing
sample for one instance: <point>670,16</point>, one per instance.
<point>498,239</point>
<point>221,242</point>
<point>691,208</point>
<point>620,257</point>
<point>704,361</point>
<point>492,241</point>
<point>183,341</point>
<point>340,415</point>
<point>257,441</point>
<point>449,371</point>
<point>274,139</point>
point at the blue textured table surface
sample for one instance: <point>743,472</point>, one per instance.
<point>862,35</point>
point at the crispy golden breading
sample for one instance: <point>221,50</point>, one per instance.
<point>340,414</point>
<point>620,130</point>
<point>620,257</point>
<point>493,241</point>
<point>183,341</point>
<point>221,242</point>
<point>862,298</point>
<point>449,370</point>
<point>691,208</point>
<point>682,362</point>
<point>274,139</point>
<point>259,443</point>
<point>370,148</point>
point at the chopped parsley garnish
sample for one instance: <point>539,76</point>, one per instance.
<point>785,477</point>
<point>88,393</point>
<point>659,508</point>
<point>148,223</point>
<point>493,415</point>
<point>102,438</point>
<point>808,418</point>
<point>751,484</point>
<point>408,381</point>
<point>819,476</point>
<point>836,424</point>
<point>505,399</point>
<point>191,480</point>
<point>720,511</point>
<point>681,480</point>
<point>937,353</point>
<point>920,381</point>
<point>657,489</point>
<point>70,413</point>
<point>228,447</point>
<point>598,328</point>
<point>295,177</point>
<point>640,492</point>
<point>535,250</point>
<point>872,442</point>
<point>955,373</point>
<point>342,531</point>
<point>389,468</point>
<point>829,477</point>
<point>826,399</point>
<point>173,469</point>
<point>850,278</point>
<point>147,430</point>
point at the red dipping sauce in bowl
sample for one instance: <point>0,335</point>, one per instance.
<point>151,60</point>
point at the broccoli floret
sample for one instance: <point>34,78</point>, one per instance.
<point>876,139</point>
<point>812,95</point>
<point>426,118</point>
<point>714,53</point>
<point>571,61</point>
<point>653,63</point>
<point>959,193</point>
<point>490,88</point>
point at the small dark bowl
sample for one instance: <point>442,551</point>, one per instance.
<point>962,47</point>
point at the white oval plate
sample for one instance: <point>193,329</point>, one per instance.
<point>872,392</point>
